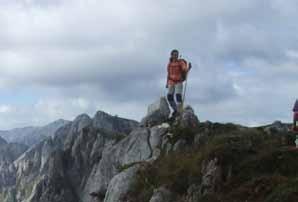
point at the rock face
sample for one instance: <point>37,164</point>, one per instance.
<point>277,127</point>
<point>188,118</point>
<point>8,153</point>
<point>63,168</point>
<point>158,113</point>
<point>162,194</point>
<point>54,186</point>
<point>32,135</point>
<point>113,124</point>
<point>132,149</point>
<point>211,177</point>
<point>121,184</point>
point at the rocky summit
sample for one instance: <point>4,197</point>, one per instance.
<point>111,159</point>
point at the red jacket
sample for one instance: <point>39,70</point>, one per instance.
<point>175,71</point>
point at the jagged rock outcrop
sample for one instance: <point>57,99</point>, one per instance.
<point>277,127</point>
<point>132,149</point>
<point>113,124</point>
<point>180,145</point>
<point>58,168</point>
<point>211,177</point>
<point>54,185</point>
<point>188,118</point>
<point>121,185</point>
<point>157,113</point>
<point>162,194</point>
<point>8,153</point>
<point>193,193</point>
<point>29,169</point>
<point>158,139</point>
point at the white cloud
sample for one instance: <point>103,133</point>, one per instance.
<point>5,109</point>
<point>293,54</point>
<point>82,55</point>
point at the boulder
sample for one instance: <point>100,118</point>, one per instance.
<point>188,119</point>
<point>158,113</point>
<point>133,149</point>
<point>157,133</point>
<point>121,185</point>
<point>211,177</point>
<point>277,127</point>
<point>180,145</point>
<point>166,144</point>
<point>193,193</point>
<point>162,194</point>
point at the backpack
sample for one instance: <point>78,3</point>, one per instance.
<point>184,74</point>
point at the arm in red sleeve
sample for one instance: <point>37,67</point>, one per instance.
<point>184,66</point>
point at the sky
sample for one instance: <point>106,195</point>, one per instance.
<point>62,58</point>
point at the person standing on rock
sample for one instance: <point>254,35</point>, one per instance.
<point>177,71</point>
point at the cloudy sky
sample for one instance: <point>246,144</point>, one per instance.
<point>61,58</point>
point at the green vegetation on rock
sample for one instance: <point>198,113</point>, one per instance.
<point>256,166</point>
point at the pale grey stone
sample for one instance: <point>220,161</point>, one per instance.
<point>121,184</point>
<point>158,113</point>
<point>162,194</point>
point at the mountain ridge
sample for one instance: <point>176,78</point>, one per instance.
<point>31,135</point>
<point>111,159</point>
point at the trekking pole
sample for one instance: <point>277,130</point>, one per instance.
<point>185,87</point>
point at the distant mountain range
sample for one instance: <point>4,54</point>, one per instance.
<point>32,135</point>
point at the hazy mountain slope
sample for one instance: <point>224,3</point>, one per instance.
<point>32,135</point>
